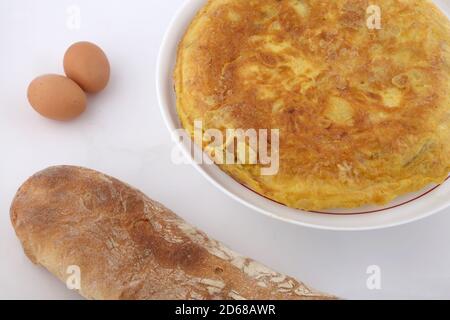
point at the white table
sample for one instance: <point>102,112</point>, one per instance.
<point>122,134</point>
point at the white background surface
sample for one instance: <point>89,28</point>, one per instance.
<point>122,134</point>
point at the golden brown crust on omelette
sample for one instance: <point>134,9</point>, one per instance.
<point>363,114</point>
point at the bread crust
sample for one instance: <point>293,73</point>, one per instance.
<point>128,246</point>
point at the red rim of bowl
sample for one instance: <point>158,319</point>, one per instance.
<point>356,213</point>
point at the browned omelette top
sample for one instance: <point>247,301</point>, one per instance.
<point>363,113</point>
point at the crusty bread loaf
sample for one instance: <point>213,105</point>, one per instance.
<point>130,247</point>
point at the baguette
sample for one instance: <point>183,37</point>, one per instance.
<point>129,247</point>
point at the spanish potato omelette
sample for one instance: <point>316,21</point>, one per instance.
<point>363,114</point>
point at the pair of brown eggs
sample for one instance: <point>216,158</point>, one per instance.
<point>64,98</point>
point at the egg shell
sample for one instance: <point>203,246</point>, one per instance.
<point>87,65</point>
<point>57,97</point>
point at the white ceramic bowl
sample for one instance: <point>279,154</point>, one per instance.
<point>404,210</point>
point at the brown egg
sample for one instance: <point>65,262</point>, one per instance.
<point>86,64</point>
<point>57,97</point>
